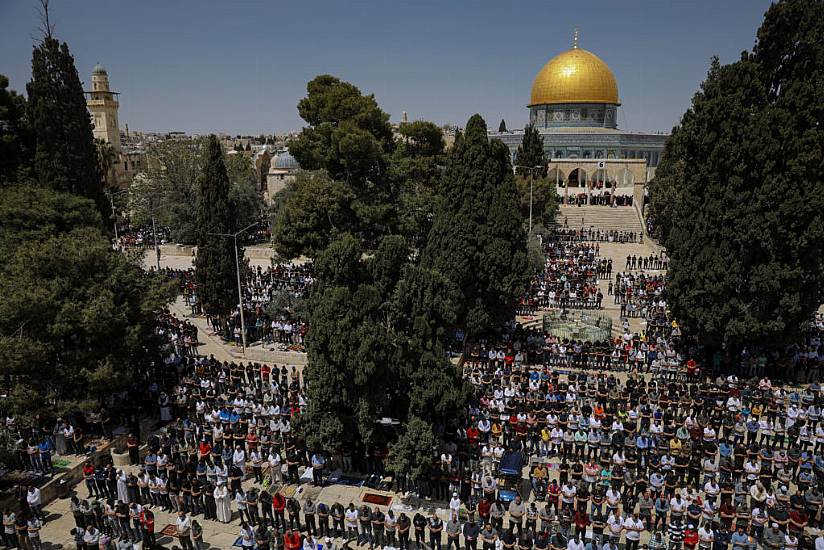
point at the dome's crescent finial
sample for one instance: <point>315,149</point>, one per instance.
<point>575,39</point>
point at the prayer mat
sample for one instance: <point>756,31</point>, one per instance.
<point>169,531</point>
<point>350,481</point>
<point>380,500</point>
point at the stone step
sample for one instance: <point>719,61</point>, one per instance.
<point>622,218</point>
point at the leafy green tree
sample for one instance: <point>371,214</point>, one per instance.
<point>106,157</point>
<point>530,154</point>
<point>77,321</point>
<point>347,131</point>
<point>664,191</point>
<point>414,450</point>
<point>16,141</point>
<point>65,157</point>
<point>478,240</point>
<point>310,213</point>
<point>245,200</point>
<point>545,199</point>
<point>346,372</point>
<point>415,171</point>
<point>174,168</point>
<point>215,269</point>
<point>746,254</point>
<point>350,138</point>
<point>32,214</point>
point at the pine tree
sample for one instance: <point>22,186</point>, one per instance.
<point>65,154</point>
<point>478,239</point>
<point>15,137</point>
<point>502,126</point>
<point>530,154</point>
<point>215,270</point>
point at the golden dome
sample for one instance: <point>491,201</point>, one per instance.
<point>574,76</point>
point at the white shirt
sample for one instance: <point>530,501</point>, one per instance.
<point>184,525</point>
<point>632,526</point>
<point>615,525</point>
<point>351,517</point>
<point>33,496</point>
<point>572,545</point>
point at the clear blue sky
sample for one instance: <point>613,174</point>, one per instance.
<point>240,66</point>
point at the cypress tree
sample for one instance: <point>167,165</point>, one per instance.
<point>502,126</point>
<point>65,156</point>
<point>739,197</point>
<point>478,239</point>
<point>531,153</point>
<point>215,270</point>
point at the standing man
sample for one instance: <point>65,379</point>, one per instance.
<point>435,529</point>
<point>184,530</point>
<point>318,464</point>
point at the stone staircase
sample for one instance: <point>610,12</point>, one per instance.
<point>622,218</point>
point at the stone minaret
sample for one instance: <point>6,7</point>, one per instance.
<point>103,104</point>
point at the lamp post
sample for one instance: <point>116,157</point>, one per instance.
<point>531,178</point>
<point>239,289</point>
<point>114,212</point>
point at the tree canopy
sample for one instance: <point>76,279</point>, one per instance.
<point>169,190</point>
<point>478,240</point>
<point>65,156</point>
<point>15,138</point>
<point>739,197</point>
<point>215,269</point>
<point>78,319</point>
<point>530,157</point>
<point>349,138</point>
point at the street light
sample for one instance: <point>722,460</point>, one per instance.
<point>114,213</point>
<point>531,177</point>
<point>239,290</point>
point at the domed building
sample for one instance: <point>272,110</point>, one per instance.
<point>574,104</point>
<point>282,170</point>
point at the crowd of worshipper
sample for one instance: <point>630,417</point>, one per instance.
<point>639,294</point>
<point>653,262</point>
<point>691,460</point>
<point>271,302</point>
<point>136,239</point>
<point>570,276</point>
<point>593,234</point>
<point>596,199</point>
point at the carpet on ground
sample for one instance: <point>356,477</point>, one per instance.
<point>169,531</point>
<point>380,500</point>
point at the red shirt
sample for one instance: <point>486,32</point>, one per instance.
<point>88,471</point>
<point>278,502</point>
<point>147,520</point>
<point>581,519</point>
<point>291,541</point>
<point>483,508</point>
